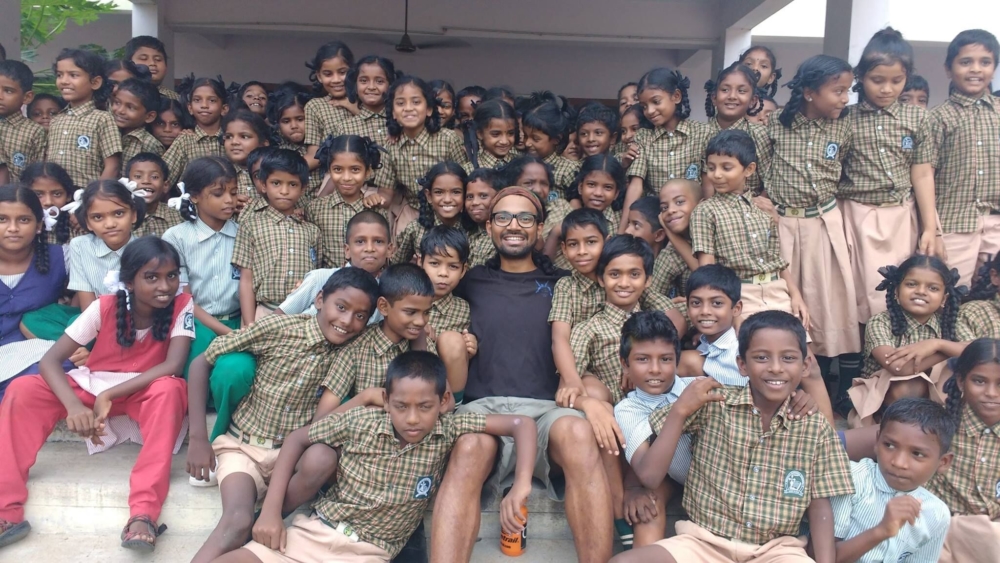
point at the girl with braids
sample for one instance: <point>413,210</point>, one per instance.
<point>915,334</point>
<point>370,79</point>
<point>442,202</point>
<point>808,139</point>
<point>286,112</point>
<point>207,102</point>
<point>55,190</point>
<point>675,147</point>
<point>876,192</point>
<point>32,276</point>
<point>108,211</point>
<point>626,149</point>
<point>349,161</point>
<point>482,185</point>
<point>241,132</point>
<point>761,60</point>
<point>143,333</point>
<point>545,122</point>
<point>979,316</point>
<point>90,145</point>
<point>600,185</point>
<point>444,94</point>
<point>530,172</point>
<point>970,485</point>
<point>491,135</point>
<point>731,99</point>
<point>325,115</point>
<point>251,95</point>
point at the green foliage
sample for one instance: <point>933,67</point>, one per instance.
<point>42,20</point>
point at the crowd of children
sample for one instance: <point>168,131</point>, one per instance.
<point>716,299</point>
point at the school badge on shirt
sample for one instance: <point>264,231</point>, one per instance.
<point>188,321</point>
<point>997,491</point>
<point>907,143</point>
<point>18,159</point>
<point>234,273</point>
<point>831,151</point>
<point>83,142</point>
<point>312,255</point>
<point>794,484</point>
<point>691,173</point>
<point>423,488</point>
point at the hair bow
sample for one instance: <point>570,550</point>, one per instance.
<point>112,282</point>
<point>889,273</point>
<point>50,217</point>
<point>72,206</point>
<point>133,187</point>
<point>176,202</point>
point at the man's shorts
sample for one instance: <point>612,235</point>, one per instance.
<point>694,543</point>
<point>311,540</point>
<point>544,413</point>
<point>233,456</point>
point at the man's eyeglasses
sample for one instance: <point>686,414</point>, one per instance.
<point>504,218</point>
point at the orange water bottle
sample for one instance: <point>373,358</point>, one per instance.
<point>513,545</point>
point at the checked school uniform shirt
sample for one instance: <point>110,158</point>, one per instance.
<point>331,214</point>
<point>740,235</point>
<point>481,247</point>
<point>408,241</point>
<point>279,249</point>
<point>754,486</point>
<point>806,159</point>
<point>564,171</point>
<point>576,298</point>
<point>188,147</point>
<point>877,168</point>
<point>879,333</point>
<point>761,141</point>
<point>382,487</point>
<point>372,125</point>
<point>556,209</point>
<point>362,364</point>
<point>315,176</point>
<point>167,92</point>
<point>449,313</point>
<point>979,319</point>
<point>137,141</point>
<point>862,511</point>
<point>595,345</point>
<point>323,120</point>
<point>410,159</point>
<point>293,360</point>
<point>158,221</point>
<point>971,485</point>
<point>22,141</point>
<point>665,155</point>
<point>488,160</point>
<point>964,148</point>
<point>80,139</point>
<point>670,271</point>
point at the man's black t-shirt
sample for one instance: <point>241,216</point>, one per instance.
<point>510,317</point>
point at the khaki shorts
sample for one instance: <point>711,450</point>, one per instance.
<point>971,538</point>
<point>544,413</point>
<point>233,456</point>
<point>310,540</point>
<point>694,543</point>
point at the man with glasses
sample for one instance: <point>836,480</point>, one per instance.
<point>514,373</point>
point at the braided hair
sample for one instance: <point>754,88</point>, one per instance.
<point>136,255</point>
<point>894,278</point>
<point>978,352</point>
<point>712,88</point>
<point>670,81</point>
<point>364,148</point>
<point>486,112</point>
<point>426,217</point>
<point>55,173</point>
<point>601,163</point>
<point>13,193</point>
<point>812,74</point>
<point>982,287</point>
<point>432,123</point>
<point>772,88</point>
<point>200,174</point>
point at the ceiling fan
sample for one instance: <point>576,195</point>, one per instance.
<point>406,45</point>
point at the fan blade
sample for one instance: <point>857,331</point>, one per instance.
<point>442,44</point>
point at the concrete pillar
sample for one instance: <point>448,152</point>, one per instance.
<point>731,45</point>
<point>850,24</point>
<point>10,28</point>
<point>149,18</point>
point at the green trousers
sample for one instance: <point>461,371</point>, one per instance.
<point>231,377</point>
<point>50,322</point>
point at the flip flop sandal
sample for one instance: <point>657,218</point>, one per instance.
<point>11,532</point>
<point>130,540</point>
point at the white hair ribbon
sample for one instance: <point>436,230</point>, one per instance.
<point>176,202</point>
<point>50,217</point>
<point>72,206</point>
<point>112,282</point>
<point>133,187</point>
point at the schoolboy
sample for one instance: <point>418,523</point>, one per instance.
<point>294,357</point>
<point>331,214</point>
<point>390,463</point>
<point>916,92</point>
<point>274,248</point>
<point>649,351</point>
<point>150,51</point>
<point>623,271</point>
<point>250,176</point>
<point>134,105</point>
<point>675,263</point>
<point>891,516</point>
<point>730,229</point>
<point>755,472</point>
<point>404,299</point>
<point>643,221</point>
<point>444,256</point>
<point>596,128</point>
<point>368,246</point>
<point>962,157</point>
<point>22,141</point>
<point>150,173</point>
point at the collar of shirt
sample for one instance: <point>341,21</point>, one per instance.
<point>680,383</point>
<point>443,303</point>
<point>314,336</point>
<point>201,134</point>
<point>961,99</point>
<point>974,426</point>
<point>681,129</point>
<point>275,215</point>
<point>727,341</point>
<point>741,124</point>
<point>14,119</point>
<point>745,399</point>
<point>137,133</point>
<point>366,114</point>
<point>204,232</point>
<point>581,280</point>
<point>381,342</point>
<point>101,250</point>
<point>80,110</point>
<point>616,315</point>
<point>879,480</point>
<point>933,323</point>
<point>335,199</point>
<point>892,109</point>
<point>421,138</point>
<point>733,198</point>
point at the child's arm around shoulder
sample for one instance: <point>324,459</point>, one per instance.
<point>703,236</point>
<point>525,435</point>
<point>652,467</point>
<point>831,476</point>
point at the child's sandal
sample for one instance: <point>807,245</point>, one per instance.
<point>131,540</point>
<point>11,532</point>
